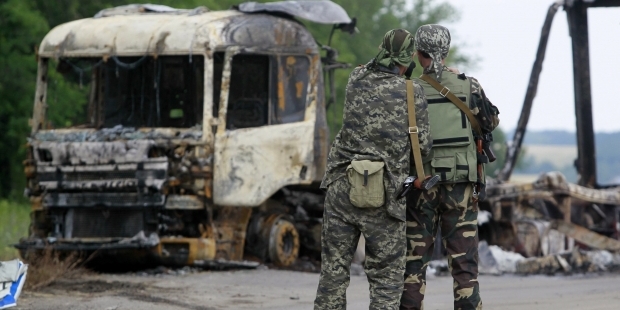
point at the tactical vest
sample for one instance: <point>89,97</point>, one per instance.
<point>453,156</point>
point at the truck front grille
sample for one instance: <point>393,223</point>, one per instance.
<point>107,223</point>
<point>102,199</point>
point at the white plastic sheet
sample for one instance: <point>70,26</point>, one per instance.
<point>12,279</point>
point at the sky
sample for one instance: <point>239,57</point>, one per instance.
<point>504,35</point>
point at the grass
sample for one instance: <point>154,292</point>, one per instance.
<point>14,222</point>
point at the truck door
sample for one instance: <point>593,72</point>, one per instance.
<point>265,128</point>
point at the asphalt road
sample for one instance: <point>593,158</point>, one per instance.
<point>290,290</point>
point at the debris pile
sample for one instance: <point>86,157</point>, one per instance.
<point>438,268</point>
<point>554,225</point>
<point>603,256</point>
<point>494,260</point>
<point>575,261</point>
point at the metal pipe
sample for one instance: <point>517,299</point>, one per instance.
<point>586,152</point>
<point>514,147</point>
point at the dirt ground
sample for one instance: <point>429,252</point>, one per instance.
<point>278,289</point>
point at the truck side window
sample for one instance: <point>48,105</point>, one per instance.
<point>292,89</point>
<point>248,100</point>
<point>253,101</point>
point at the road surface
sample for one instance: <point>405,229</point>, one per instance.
<point>290,290</point>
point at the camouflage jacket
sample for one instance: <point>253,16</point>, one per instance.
<point>481,106</point>
<point>375,127</point>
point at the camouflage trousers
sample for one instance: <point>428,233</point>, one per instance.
<point>450,207</point>
<point>385,251</point>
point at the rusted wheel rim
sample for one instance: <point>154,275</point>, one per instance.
<point>283,243</point>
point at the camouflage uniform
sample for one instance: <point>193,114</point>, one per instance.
<point>375,127</point>
<point>448,205</point>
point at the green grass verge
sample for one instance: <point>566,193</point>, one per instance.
<point>14,221</point>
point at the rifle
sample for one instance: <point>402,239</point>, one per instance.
<point>415,182</point>
<point>487,139</point>
<point>485,155</point>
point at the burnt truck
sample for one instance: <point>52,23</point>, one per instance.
<point>204,136</point>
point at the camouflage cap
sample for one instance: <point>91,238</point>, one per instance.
<point>397,47</point>
<point>435,41</point>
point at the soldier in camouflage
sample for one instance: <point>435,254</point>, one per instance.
<point>449,205</point>
<point>370,154</point>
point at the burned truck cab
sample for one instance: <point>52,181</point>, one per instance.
<point>197,125</point>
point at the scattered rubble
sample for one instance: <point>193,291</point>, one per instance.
<point>161,270</point>
<point>438,267</point>
<point>586,236</point>
<point>575,261</point>
<point>494,260</point>
<point>357,270</point>
<point>304,264</point>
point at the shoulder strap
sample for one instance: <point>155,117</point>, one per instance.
<point>444,91</point>
<point>413,131</point>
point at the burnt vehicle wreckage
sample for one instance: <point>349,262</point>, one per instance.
<point>206,140</point>
<point>551,217</point>
<point>206,134</point>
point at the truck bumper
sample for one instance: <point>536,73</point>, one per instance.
<point>166,251</point>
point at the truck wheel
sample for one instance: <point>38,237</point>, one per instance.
<point>283,243</point>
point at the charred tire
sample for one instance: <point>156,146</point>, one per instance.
<point>283,246</point>
<point>272,237</point>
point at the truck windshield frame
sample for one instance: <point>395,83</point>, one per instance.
<point>164,91</point>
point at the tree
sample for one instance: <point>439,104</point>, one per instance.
<point>21,28</point>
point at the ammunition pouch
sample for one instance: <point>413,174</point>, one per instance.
<point>366,180</point>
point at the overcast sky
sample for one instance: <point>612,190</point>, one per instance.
<point>504,35</point>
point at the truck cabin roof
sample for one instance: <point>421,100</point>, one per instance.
<point>138,30</point>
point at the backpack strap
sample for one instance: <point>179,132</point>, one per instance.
<point>413,131</point>
<point>445,92</point>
